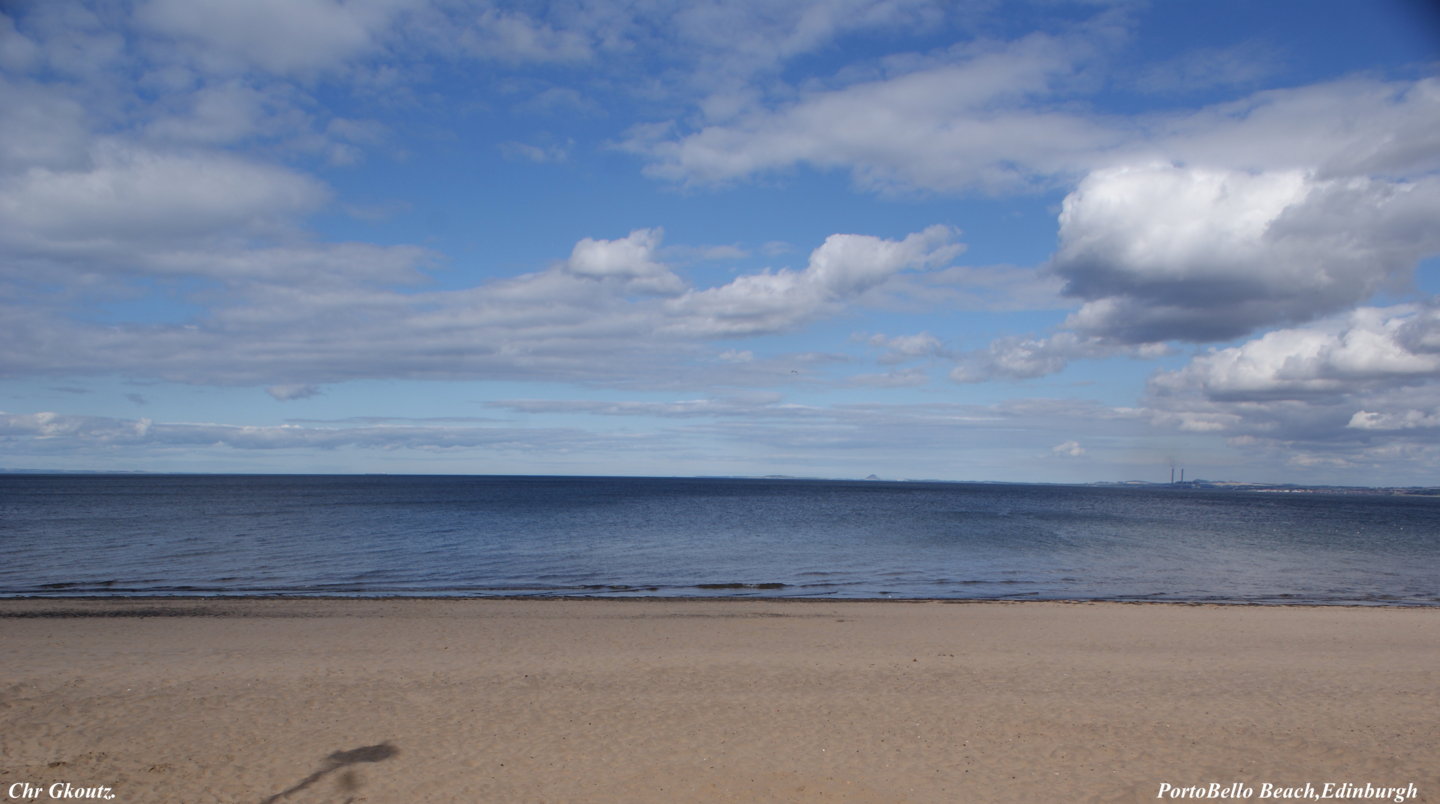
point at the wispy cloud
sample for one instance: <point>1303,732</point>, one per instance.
<point>591,317</point>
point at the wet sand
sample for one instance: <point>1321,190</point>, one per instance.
<point>710,700</point>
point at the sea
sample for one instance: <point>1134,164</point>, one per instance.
<point>604,537</point>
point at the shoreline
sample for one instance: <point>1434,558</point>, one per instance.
<point>710,699</point>
<point>719,599</point>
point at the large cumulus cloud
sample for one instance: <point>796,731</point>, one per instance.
<point>1163,252</point>
<point>1368,349</point>
<point>1353,390</point>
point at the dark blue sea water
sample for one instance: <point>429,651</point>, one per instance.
<point>608,537</point>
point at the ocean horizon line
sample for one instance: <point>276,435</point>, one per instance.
<point>1196,483</point>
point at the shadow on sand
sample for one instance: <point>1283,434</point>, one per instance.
<point>337,761</point>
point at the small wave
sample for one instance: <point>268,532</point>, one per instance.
<point>741,585</point>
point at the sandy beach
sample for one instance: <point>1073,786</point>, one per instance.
<point>712,700</point>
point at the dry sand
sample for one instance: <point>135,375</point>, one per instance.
<point>669,701</point>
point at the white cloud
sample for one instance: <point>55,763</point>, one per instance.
<point>36,433</point>
<point>630,260</point>
<point>1355,391</point>
<point>1395,420</point>
<point>286,393</point>
<point>903,348</point>
<point>309,315</point>
<point>17,51</point>
<point>1046,418</point>
<point>1272,218</point>
<point>217,114</point>
<point>73,40</point>
<point>732,41</point>
<point>278,36</point>
<point>490,33</point>
<point>40,128</point>
<point>711,49</point>
<point>968,122</point>
<point>293,268</point>
<point>1068,449</point>
<point>843,267</point>
<point>1356,126</point>
<point>1002,116</point>
<point>130,195</point>
<point>1025,357</point>
<point>1160,252</point>
<point>901,440</point>
<point>683,409</point>
<point>1369,348</point>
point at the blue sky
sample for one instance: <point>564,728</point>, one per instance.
<point>1027,241</point>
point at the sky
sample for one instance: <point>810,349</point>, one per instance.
<point>1038,241</point>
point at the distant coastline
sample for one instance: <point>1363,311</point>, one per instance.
<point>1198,484</point>
<point>1280,488</point>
